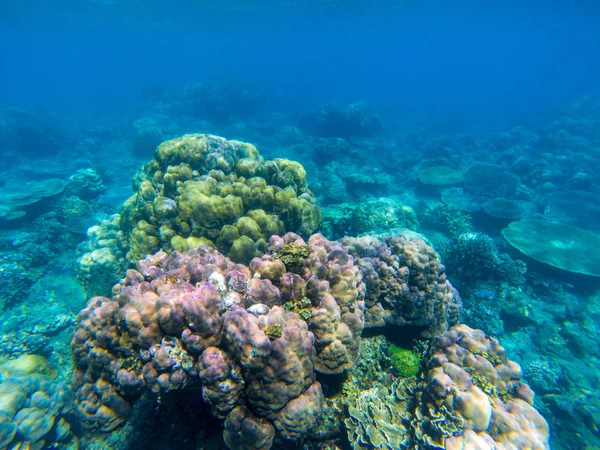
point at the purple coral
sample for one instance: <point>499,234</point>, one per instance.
<point>161,330</point>
<point>332,284</point>
<point>222,381</point>
<point>405,284</point>
<point>253,337</point>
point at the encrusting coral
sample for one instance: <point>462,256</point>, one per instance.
<point>206,190</point>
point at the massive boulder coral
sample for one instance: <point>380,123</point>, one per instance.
<point>329,294</point>
<point>206,190</point>
<point>252,338</point>
<point>473,396</point>
<point>34,408</point>
<point>406,284</point>
<point>467,395</point>
<point>101,259</point>
<point>251,335</point>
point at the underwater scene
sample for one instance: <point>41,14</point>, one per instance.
<point>319,225</point>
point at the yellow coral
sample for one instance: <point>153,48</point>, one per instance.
<point>183,245</point>
<point>243,250</point>
<point>203,186</point>
<point>27,365</point>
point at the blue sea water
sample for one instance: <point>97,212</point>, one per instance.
<point>475,124</point>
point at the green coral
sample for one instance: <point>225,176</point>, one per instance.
<point>202,186</point>
<point>243,250</point>
<point>273,332</point>
<point>292,256</point>
<point>404,362</point>
<point>303,308</point>
<point>450,219</point>
<point>204,189</point>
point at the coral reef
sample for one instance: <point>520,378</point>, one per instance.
<point>30,133</point>
<point>380,417</point>
<point>194,318</point>
<point>565,207</point>
<point>440,176</point>
<point>465,393</point>
<point>474,257</point>
<point>327,150</point>
<point>490,181</point>
<point>219,102</point>
<point>346,181</point>
<point>101,258</point>
<point>85,184</point>
<point>35,409</point>
<point>445,218</point>
<point>252,338</point>
<point>147,135</point>
<point>406,284</point>
<point>19,197</point>
<point>203,189</point>
<point>547,182</point>
<point>473,395</point>
<point>377,215</point>
<point>16,281</point>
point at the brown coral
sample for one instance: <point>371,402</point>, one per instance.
<point>473,394</point>
<point>406,284</point>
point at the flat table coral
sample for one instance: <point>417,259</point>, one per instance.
<point>16,196</point>
<point>556,244</point>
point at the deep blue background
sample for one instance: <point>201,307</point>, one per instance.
<point>496,66</point>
